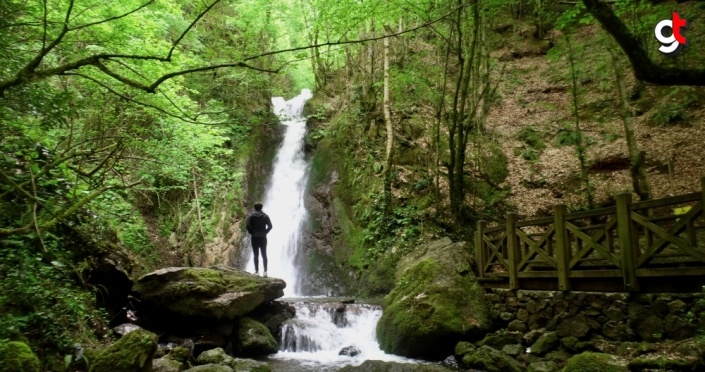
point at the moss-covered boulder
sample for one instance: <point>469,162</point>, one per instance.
<point>380,366</point>
<point>254,339</point>
<point>214,293</point>
<point>133,352</point>
<point>686,355</point>
<point>595,362</point>
<point>489,359</point>
<point>17,356</point>
<point>218,356</point>
<point>437,302</point>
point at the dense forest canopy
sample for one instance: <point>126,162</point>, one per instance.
<point>128,127</point>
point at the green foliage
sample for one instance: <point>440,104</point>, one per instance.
<point>533,141</point>
<point>674,109</point>
<point>40,299</point>
<point>567,137</point>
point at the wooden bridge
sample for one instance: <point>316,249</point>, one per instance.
<point>650,246</point>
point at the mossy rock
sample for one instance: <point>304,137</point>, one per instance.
<point>489,359</point>
<point>166,364</point>
<point>133,352</point>
<point>18,356</point>
<point>214,293</point>
<point>381,366</point>
<point>545,343</point>
<point>254,338</point>
<point>218,356</point>
<point>595,362</point>
<point>436,303</point>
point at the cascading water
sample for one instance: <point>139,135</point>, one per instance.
<point>284,196</point>
<point>325,334</point>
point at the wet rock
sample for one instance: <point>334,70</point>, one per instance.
<point>425,315</point>
<point>686,355</point>
<point>613,313</point>
<point>350,351</point>
<point>451,363</point>
<point>523,315</point>
<point>677,307</point>
<point>531,336</point>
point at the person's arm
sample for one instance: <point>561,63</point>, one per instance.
<point>269,225</point>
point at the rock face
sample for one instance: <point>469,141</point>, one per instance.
<point>211,293</point>
<point>436,302</point>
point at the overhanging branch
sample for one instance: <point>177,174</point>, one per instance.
<point>644,68</point>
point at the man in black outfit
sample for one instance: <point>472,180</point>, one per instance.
<point>258,225</point>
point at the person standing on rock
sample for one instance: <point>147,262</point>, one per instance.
<point>258,225</point>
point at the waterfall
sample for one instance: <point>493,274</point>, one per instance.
<point>284,195</point>
<point>327,335</point>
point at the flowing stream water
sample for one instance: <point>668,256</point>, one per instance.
<point>325,334</point>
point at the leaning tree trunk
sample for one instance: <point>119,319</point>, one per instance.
<point>640,179</point>
<point>387,106</point>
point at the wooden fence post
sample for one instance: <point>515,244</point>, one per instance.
<point>480,248</point>
<point>512,253</point>
<point>562,246</point>
<point>626,242</point>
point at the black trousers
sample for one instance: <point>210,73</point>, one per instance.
<point>259,244</point>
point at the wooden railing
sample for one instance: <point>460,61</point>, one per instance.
<point>637,242</point>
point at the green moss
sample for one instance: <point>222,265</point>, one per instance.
<point>490,360</point>
<point>593,362</point>
<point>255,339</point>
<point>17,356</point>
<point>133,352</point>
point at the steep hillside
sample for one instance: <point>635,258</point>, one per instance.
<point>523,159</point>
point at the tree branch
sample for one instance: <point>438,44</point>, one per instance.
<point>644,68</point>
<point>183,34</point>
<point>112,18</point>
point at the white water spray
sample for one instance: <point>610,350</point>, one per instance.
<point>284,196</point>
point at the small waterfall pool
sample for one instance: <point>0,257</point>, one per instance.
<point>325,335</point>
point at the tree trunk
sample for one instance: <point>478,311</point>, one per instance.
<point>640,179</point>
<point>387,106</point>
<point>580,147</point>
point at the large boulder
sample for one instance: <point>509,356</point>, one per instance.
<point>685,355</point>
<point>436,302</point>
<point>213,293</point>
<point>133,352</point>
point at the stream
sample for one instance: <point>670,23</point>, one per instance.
<point>325,334</point>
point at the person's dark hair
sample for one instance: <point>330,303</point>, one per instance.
<point>258,206</point>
